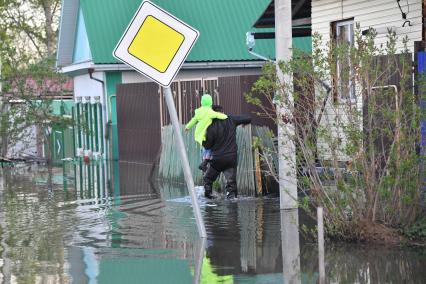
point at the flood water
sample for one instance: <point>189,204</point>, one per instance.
<point>99,229</point>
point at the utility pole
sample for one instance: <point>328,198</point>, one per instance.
<point>286,147</point>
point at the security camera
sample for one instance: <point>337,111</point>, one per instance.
<point>250,42</point>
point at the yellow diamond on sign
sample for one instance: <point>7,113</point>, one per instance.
<point>156,44</point>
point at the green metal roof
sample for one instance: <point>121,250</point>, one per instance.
<point>144,270</point>
<point>222,24</point>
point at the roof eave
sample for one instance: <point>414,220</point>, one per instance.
<point>82,67</point>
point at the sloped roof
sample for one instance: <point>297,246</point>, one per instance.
<point>301,9</point>
<point>67,29</point>
<point>222,24</point>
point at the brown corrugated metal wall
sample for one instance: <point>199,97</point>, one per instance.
<point>231,92</point>
<point>141,111</point>
<point>190,98</point>
<point>139,134</point>
<point>138,122</point>
<point>187,95</point>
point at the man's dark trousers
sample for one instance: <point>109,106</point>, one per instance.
<point>227,165</point>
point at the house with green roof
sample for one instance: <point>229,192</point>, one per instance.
<point>89,32</point>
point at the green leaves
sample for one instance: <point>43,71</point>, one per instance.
<point>26,101</point>
<point>356,155</point>
<point>417,231</point>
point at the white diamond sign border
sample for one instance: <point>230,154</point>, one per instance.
<point>121,52</point>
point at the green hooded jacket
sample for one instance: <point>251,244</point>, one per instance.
<point>203,117</point>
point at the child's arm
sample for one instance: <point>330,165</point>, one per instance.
<point>191,123</point>
<point>219,115</point>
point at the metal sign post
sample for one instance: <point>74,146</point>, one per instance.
<point>156,44</point>
<point>185,163</point>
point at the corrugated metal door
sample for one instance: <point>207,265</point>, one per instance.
<point>139,133</point>
<point>232,99</point>
<point>138,121</point>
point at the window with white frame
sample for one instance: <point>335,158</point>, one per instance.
<point>345,83</point>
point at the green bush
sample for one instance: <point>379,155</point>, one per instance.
<point>417,231</point>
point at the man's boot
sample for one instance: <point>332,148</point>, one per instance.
<point>208,190</point>
<point>231,183</point>
<point>231,194</point>
<point>231,190</point>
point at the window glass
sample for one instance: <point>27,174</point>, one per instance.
<point>345,81</point>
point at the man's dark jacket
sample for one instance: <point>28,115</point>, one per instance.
<point>221,138</point>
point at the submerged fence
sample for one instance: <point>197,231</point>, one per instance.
<point>170,167</point>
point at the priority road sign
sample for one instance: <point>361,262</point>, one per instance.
<point>156,43</point>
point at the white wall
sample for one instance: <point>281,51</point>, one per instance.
<point>86,87</point>
<point>369,13</point>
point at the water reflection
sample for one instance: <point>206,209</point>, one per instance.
<point>32,231</point>
<point>199,260</point>
<point>290,246</point>
<point>85,233</point>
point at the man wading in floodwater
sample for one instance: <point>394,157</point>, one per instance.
<point>221,140</point>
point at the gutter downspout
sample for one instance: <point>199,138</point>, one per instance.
<point>90,71</point>
<point>105,134</point>
<point>106,137</point>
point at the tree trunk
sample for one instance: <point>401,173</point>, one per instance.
<point>49,160</point>
<point>50,34</point>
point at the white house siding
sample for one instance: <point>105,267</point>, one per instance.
<point>377,14</point>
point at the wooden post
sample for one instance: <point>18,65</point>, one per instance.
<point>257,171</point>
<point>320,220</point>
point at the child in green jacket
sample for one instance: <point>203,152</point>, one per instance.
<point>203,117</point>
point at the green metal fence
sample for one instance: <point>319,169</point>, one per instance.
<point>62,138</point>
<point>88,132</point>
